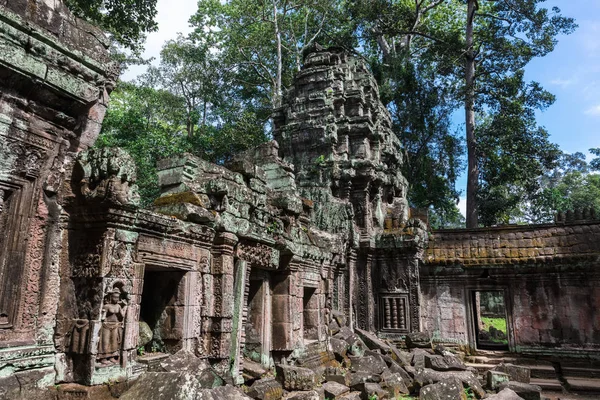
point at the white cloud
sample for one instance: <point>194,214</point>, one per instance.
<point>594,111</point>
<point>562,82</point>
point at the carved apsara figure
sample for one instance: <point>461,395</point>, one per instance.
<point>111,332</point>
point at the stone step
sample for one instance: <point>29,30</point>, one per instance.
<point>547,384</point>
<point>542,371</point>
<point>581,372</point>
<point>578,384</point>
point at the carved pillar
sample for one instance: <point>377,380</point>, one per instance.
<point>238,325</point>
<point>414,291</point>
<point>219,316</point>
<point>350,289</point>
<point>366,302</point>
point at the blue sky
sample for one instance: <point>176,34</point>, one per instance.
<point>571,72</point>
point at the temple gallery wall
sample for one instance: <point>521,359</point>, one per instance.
<point>247,261</point>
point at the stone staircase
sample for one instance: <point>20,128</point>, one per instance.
<point>555,376</point>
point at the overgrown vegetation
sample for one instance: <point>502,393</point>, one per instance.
<point>213,92</point>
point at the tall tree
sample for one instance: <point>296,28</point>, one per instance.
<point>127,21</point>
<point>191,71</point>
<point>263,41</point>
<point>502,37</point>
<point>472,169</point>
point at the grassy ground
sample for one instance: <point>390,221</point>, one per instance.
<point>498,323</point>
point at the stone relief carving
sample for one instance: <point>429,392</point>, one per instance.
<point>107,175</point>
<point>111,332</point>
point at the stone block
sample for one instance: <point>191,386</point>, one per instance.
<point>253,369</point>
<point>296,378</point>
<point>517,373</point>
<point>339,347</point>
<point>493,379</point>
<point>266,389</point>
<point>505,394</point>
<point>374,390</point>
<point>303,395</point>
<point>334,390</point>
<point>524,390</point>
<point>450,388</point>
<point>368,364</point>
<point>372,341</point>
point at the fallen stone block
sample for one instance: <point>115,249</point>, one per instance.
<point>505,394</point>
<point>447,389</point>
<point>428,376</point>
<point>296,378</point>
<point>339,347</point>
<point>333,389</point>
<point>178,386</point>
<point>408,380</point>
<point>400,356</point>
<point>525,390</point>
<point>374,390</point>
<point>393,384</point>
<point>493,379</point>
<point>253,369</point>
<point>372,341</point>
<point>351,396</point>
<point>418,340</point>
<point>184,361</point>
<point>517,373</point>
<point>444,363</point>
<point>266,389</point>
<point>303,395</point>
<point>356,380</point>
<point>369,364</point>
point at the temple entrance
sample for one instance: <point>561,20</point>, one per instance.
<point>490,319</point>
<point>258,324</point>
<point>162,311</point>
<point>310,314</point>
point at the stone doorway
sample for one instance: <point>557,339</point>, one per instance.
<point>162,311</point>
<point>258,324</point>
<point>490,320</point>
<point>310,314</point>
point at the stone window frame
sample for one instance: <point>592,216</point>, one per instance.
<point>381,312</point>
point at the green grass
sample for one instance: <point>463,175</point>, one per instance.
<point>498,323</point>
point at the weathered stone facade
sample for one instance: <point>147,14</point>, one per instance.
<point>548,275</point>
<point>55,80</point>
<point>248,261</point>
<point>257,261</point>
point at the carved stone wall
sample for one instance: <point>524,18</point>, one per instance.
<point>548,273</point>
<point>89,281</point>
<point>55,78</point>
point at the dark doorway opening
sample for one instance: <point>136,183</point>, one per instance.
<point>310,314</point>
<point>491,327</point>
<point>162,309</point>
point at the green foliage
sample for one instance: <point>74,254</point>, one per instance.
<point>498,323</point>
<point>469,393</point>
<point>147,123</point>
<point>126,20</point>
<point>571,185</point>
<point>151,124</point>
<point>373,397</point>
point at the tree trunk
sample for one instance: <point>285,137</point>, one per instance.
<point>277,92</point>
<point>473,171</point>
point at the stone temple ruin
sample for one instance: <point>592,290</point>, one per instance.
<point>256,264</point>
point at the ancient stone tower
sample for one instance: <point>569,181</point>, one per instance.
<point>336,132</point>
